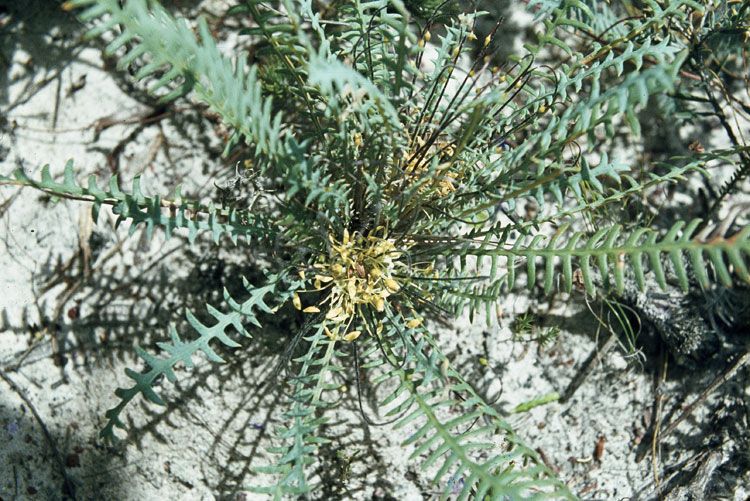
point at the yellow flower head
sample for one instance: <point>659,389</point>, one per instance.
<point>359,271</point>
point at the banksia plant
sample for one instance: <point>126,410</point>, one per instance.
<point>398,154</point>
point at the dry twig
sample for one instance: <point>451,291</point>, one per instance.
<point>68,487</point>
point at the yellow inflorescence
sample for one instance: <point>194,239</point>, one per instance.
<point>359,271</point>
<point>416,168</point>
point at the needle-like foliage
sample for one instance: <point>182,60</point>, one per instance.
<point>401,157</point>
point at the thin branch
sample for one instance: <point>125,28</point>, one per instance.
<point>69,487</point>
